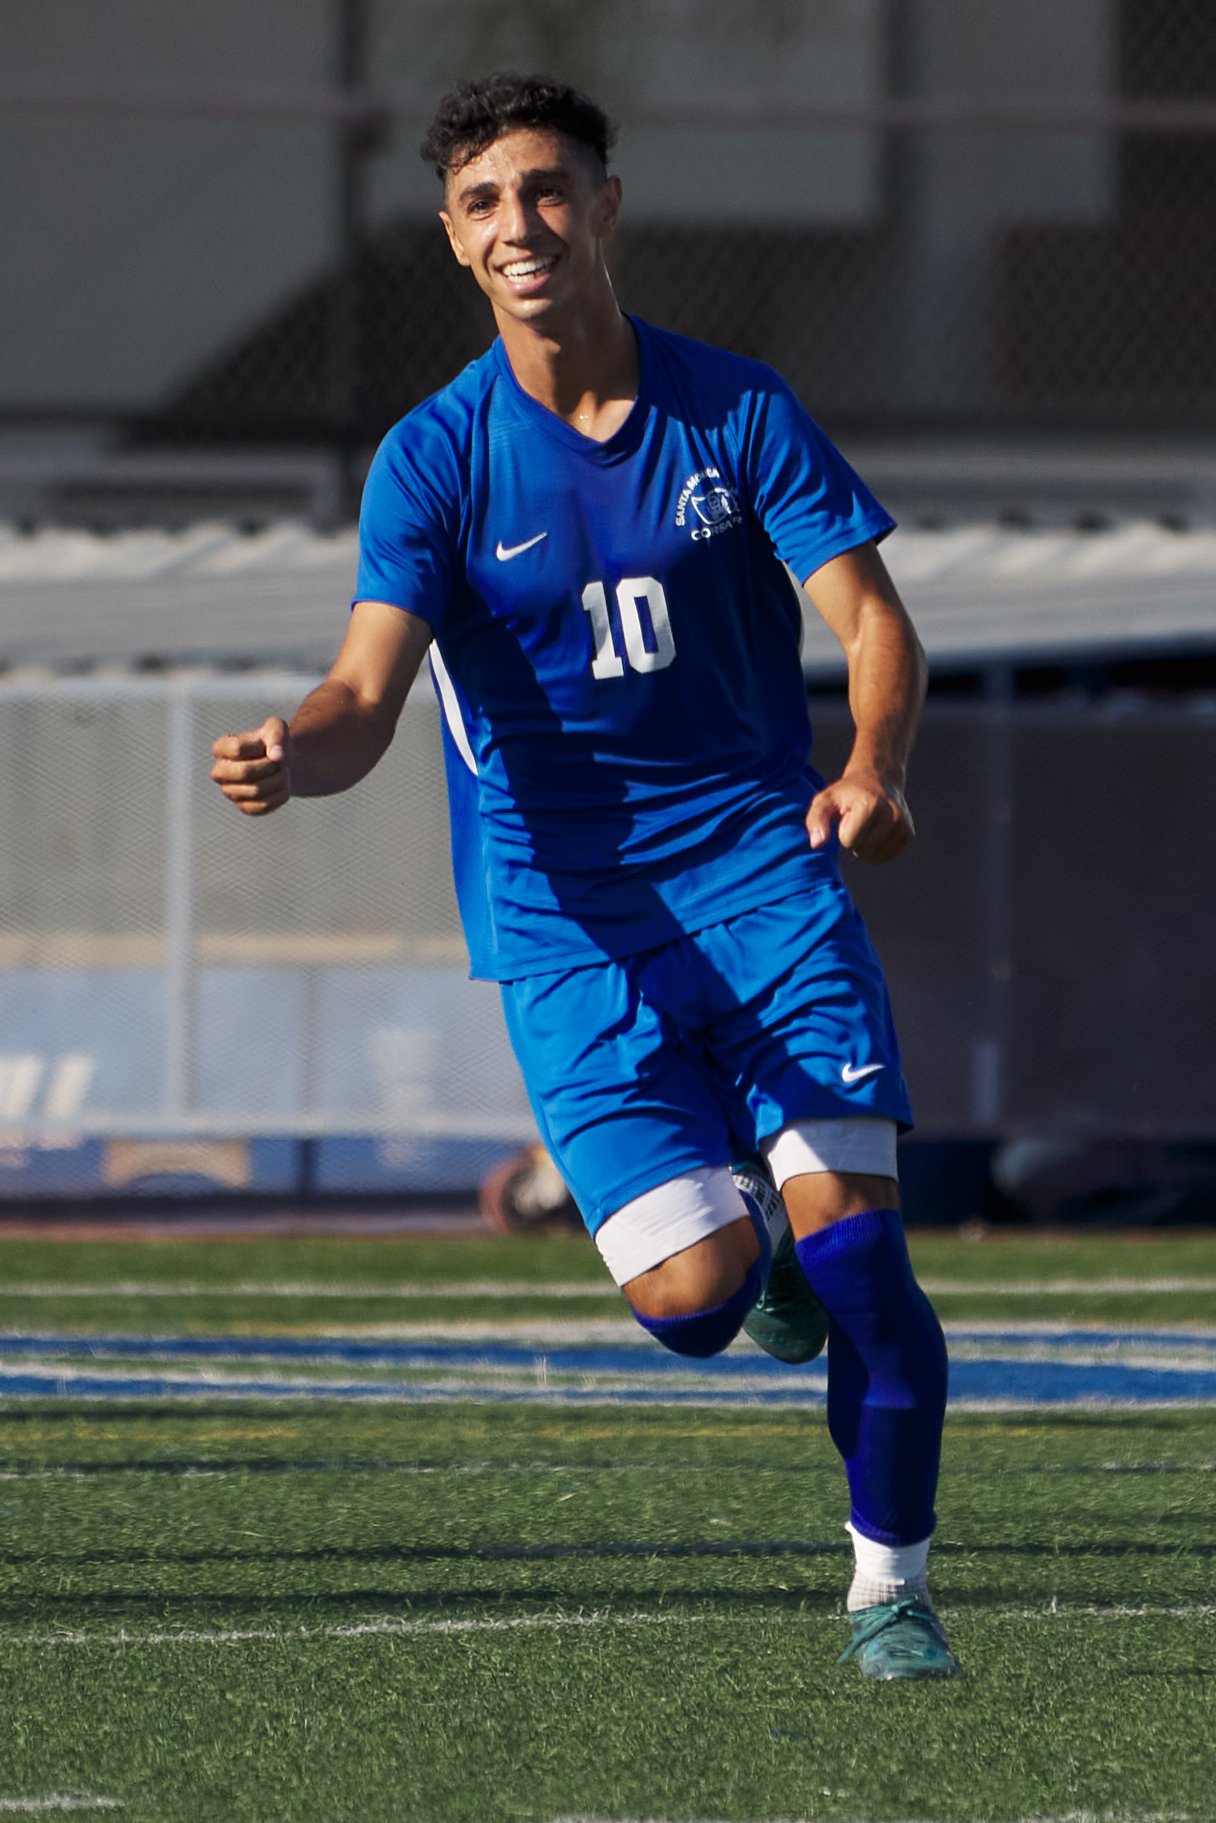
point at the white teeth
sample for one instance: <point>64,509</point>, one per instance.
<point>526,269</point>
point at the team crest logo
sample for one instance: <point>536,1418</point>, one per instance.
<point>708,504</point>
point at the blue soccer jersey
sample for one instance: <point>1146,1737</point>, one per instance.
<point>616,644</point>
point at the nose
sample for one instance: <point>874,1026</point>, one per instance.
<point>515,219</point>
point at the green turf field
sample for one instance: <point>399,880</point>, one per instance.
<point>281,1612</point>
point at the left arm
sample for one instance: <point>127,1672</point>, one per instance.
<point>857,600</point>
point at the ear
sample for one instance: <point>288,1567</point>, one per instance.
<point>610,204</point>
<point>454,240</point>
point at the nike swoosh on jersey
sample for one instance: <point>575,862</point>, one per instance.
<point>852,1073</point>
<point>505,552</point>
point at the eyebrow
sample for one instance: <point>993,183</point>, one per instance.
<point>489,188</point>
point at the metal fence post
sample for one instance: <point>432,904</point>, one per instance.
<point>989,1072</point>
<point>356,141</point>
<point>179,899</point>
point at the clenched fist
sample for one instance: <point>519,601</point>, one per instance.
<point>253,770</point>
<point>870,815</point>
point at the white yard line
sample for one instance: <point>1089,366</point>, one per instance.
<point>623,1330</point>
<point>508,1289</point>
<point>394,1627</point>
<point>460,1288</point>
<point>986,1327</point>
<point>203,1470</point>
<point>1068,1816</point>
<point>1036,1288</point>
<point>1133,1354</point>
<point>1098,1611</point>
<point>413,1380</point>
<point>58,1801</point>
<point>385,1627</point>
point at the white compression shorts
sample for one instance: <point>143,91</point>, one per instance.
<point>675,1215</point>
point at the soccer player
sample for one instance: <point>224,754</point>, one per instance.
<point>588,531</point>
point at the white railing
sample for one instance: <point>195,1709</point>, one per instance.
<point>169,967</point>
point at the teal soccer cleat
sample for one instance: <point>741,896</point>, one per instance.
<point>787,1321</point>
<point>899,1639</point>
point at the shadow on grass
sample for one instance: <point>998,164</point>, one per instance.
<point>182,1465</point>
<point>406,1553</point>
<point>589,1550</point>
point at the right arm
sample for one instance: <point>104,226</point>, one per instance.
<point>340,729</point>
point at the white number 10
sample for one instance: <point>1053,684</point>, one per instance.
<point>642,655</point>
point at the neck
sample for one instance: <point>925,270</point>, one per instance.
<point>585,370</point>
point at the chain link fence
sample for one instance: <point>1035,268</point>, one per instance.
<point>927,213</point>
<point>171,971</point>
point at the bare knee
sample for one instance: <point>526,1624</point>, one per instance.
<point>698,1277</point>
<point>816,1199</point>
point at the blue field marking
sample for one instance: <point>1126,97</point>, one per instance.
<point>1189,1350</point>
<point>989,1391</point>
<point>1006,1369</point>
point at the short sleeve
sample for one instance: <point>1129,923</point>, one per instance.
<point>405,535</point>
<point>810,502</point>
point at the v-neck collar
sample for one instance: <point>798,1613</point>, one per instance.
<point>623,441</point>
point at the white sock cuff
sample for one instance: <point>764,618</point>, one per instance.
<point>888,1562</point>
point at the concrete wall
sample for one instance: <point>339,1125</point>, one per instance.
<point>137,248</point>
<point>952,194</point>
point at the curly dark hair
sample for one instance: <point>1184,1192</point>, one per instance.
<point>477,113</point>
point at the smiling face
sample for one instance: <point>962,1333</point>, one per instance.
<point>528,217</point>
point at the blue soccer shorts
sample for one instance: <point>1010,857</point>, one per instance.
<point>652,1066</point>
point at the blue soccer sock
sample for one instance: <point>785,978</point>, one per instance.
<point>707,1332</point>
<point>886,1372</point>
